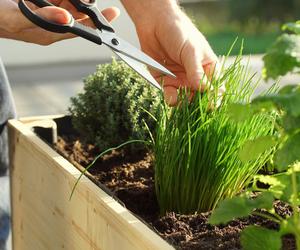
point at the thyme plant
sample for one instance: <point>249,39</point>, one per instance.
<point>197,145</point>
<point>114,107</point>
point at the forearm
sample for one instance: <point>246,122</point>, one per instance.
<point>138,9</point>
<point>7,12</point>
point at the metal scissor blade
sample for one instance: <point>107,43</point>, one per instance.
<point>139,68</point>
<point>125,48</point>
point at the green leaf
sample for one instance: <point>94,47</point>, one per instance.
<point>288,194</point>
<point>259,238</point>
<point>288,226</point>
<point>242,112</point>
<point>287,99</point>
<point>288,89</point>
<point>252,149</point>
<point>264,200</point>
<point>239,112</point>
<point>290,123</point>
<point>277,183</point>
<point>268,179</point>
<point>230,209</point>
<point>280,185</point>
<point>293,27</point>
<point>282,57</point>
<point>289,153</point>
<point>238,207</point>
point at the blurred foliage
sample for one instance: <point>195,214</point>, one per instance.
<point>256,21</point>
<point>284,55</point>
<point>253,43</point>
<point>263,11</point>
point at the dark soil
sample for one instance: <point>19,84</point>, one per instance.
<point>130,178</point>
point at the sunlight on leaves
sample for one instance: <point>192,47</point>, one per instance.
<point>290,102</point>
<point>277,184</point>
<point>293,27</point>
<point>239,112</point>
<point>254,148</point>
<point>258,238</point>
<point>282,57</point>
<point>238,207</point>
<point>289,153</point>
<point>287,226</point>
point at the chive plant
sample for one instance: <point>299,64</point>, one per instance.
<point>196,144</point>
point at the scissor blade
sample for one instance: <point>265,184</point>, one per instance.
<point>139,68</point>
<point>119,45</point>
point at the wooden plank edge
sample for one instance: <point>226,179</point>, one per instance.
<point>30,119</point>
<point>137,227</point>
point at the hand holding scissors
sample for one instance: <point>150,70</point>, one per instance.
<point>103,34</point>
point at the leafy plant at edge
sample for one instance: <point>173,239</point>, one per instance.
<point>284,185</point>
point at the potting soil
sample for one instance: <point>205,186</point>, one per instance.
<point>130,178</point>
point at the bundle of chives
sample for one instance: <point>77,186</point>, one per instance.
<point>197,145</point>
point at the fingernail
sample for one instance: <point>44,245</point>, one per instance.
<point>63,18</point>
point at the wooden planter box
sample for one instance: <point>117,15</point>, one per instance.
<point>43,217</point>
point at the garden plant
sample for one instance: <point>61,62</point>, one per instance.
<point>114,107</point>
<point>196,145</point>
<point>284,185</point>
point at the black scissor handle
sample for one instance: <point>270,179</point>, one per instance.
<point>72,27</point>
<point>41,22</point>
<point>90,8</point>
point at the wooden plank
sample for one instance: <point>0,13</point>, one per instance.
<point>43,217</point>
<point>26,120</point>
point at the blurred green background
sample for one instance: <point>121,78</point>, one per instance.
<point>258,22</point>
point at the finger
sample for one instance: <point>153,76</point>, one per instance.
<point>171,95</point>
<point>211,69</point>
<point>36,35</point>
<point>19,22</point>
<point>55,2</point>
<point>111,13</point>
<point>192,61</point>
<point>42,37</point>
<point>54,14</point>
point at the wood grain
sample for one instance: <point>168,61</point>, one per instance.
<point>43,217</point>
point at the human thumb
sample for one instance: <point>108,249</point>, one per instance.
<point>54,14</point>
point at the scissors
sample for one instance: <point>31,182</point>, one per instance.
<point>103,34</point>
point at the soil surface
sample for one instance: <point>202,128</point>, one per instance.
<point>130,178</point>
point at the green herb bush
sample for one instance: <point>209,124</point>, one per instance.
<point>283,57</point>
<point>114,107</point>
<point>197,145</point>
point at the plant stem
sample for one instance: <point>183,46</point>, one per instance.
<point>268,217</point>
<point>295,207</point>
<point>276,215</point>
<point>99,156</point>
